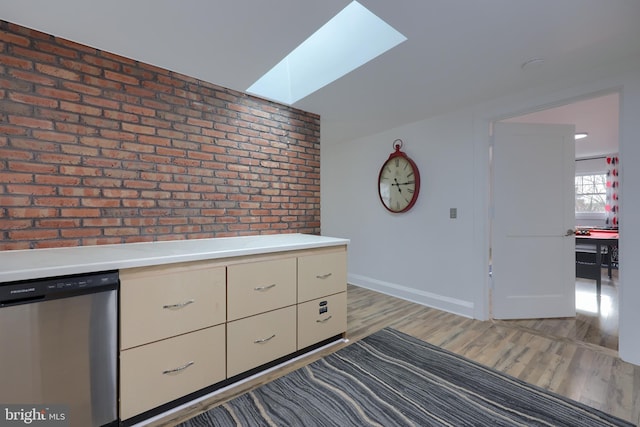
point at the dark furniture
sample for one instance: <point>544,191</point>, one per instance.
<point>589,264</point>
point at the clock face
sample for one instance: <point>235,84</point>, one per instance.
<point>398,183</point>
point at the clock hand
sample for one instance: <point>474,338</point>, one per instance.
<point>397,184</point>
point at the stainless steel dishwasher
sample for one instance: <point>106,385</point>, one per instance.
<point>58,348</point>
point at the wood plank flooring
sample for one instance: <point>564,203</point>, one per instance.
<point>596,321</point>
<point>541,353</point>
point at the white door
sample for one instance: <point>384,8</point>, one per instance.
<point>533,247</point>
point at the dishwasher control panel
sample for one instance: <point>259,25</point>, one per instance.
<point>28,291</point>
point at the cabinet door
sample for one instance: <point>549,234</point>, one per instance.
<point>257,287</point>
<point>157,373</point>
<point>162,302</point>
<point>321,274</point>
<point>257,340</point>
<point>321,319</point>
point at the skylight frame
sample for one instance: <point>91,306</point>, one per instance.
<point>355,36</point>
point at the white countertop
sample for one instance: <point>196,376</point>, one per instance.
<point>39,263</point>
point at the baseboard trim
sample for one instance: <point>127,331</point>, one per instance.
<point>440,302</point>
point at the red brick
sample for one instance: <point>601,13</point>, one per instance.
<point>157,87</point>
<point>58,115</point>
<point>80,108</point>
<point>82,88</point>
<point>156,123</point>
<point>138,203</point>
<point>79,150</point>
<point>102,83</point>
<point>101,102</point>
<point>101,203</point>
<point>200,123</point>
<point>13,246</point>
<point>39,234</point>
<point>79,212</point>
<point>56,49</point>
<point>101,222</point>
<point>75,129</point>
<point>56,201</point>
<point>58,223</point>
<point>81,67</point>
<point>111,75</point>
<point>57,180</point>
<point>15,154</point>
<point>101,123</point>
<point>53,136</point>
<point>116,135</point>
<point>13,62</point>
<point>81,232</point>
<point>58,159</point>
<point>32,212</point>
<point>32,77</point>
<point>79,170</point>
<point>58,72</point>
<point>136,109</point>
<point>7,201</point>
<point>121,117</point>
<point>120,193</point>
<point>148,130</point>
<point>139,222</point>
<point>30,168</point>
<point>14,39</point>
<point>101,62</point>
<point>139,92</point>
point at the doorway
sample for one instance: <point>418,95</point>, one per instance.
<point>598,116</point>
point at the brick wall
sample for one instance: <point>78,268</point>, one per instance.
<point>96,149</point>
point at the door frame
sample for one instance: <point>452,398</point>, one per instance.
<point>487,297</point>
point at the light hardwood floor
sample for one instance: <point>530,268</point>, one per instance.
<point>545,353</point>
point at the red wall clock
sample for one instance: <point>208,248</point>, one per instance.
<point>398,181</point>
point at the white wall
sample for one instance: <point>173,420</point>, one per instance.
<point>426,257</point>
<point>418,254</point>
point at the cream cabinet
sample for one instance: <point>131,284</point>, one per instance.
<point>321,318</point>
<point>256,287</point>
<point>161,302</point>
<point>321,273</point>
<point>322,295</point>
<point>157,373</point>
<point>186,327</point>
<point>259,339</point>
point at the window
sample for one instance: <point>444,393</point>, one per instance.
<point>591,193</point>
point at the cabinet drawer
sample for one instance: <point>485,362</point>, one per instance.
<point>321,319</point>
<point>162,302</point>
<point>321,274</point>
<point>257,287</point>
<point>257,340</point>
<point>157,373</point>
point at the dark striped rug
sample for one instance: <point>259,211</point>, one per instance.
<point>392,379</point>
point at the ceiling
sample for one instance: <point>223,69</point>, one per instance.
<point>458,53</point>
<point>597,116</point>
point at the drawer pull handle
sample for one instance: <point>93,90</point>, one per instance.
<point>323,276</point>
<point>264,288</point>
<point>264,339</point>
<point>179,305</point>
<point>323,320</point>
<point>178,369</point>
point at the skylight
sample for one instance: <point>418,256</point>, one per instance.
<point>350,39</point>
